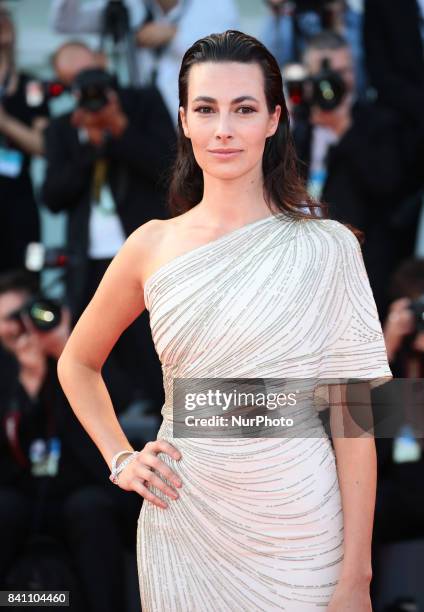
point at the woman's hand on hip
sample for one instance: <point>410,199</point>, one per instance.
<point>141,472</point>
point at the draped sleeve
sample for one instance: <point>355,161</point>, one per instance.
<point>354,347</point>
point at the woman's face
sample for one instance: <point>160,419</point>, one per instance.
<point>227,119</point>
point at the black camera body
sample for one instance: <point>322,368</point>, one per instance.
<point>326,89</point>
<point>91,87</point>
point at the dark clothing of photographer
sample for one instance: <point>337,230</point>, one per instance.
<point>364,178</point>
<point>400,495</point>
<point>400,466</point>
<point>95,519</point>
<point>133,168</point>
<point>19,220</point>
<point>396,69</point>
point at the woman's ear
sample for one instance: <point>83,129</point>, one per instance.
<point>184,122</point>
<point>274,118</point>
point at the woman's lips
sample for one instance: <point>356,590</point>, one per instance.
<point>224,153</point>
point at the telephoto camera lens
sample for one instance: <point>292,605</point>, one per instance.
<point>45,313</point>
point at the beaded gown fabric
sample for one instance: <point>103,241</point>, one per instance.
<point>258,525</point>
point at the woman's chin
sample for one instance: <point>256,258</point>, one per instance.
<point>227,172</point>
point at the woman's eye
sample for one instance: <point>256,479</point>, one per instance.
<point>207,110</point>
<point>202,110</point>
<point>246,110</point>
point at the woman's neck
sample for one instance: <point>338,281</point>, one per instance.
<point>235,201</point>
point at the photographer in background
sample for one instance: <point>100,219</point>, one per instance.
<point>400,497</point>
<point>404,325</point>
<point>107,163</point>
<point>163,29</point>
<point>23,115</point>
<point>352,154</point>
<point>45,454</point>
<point>289,25</point>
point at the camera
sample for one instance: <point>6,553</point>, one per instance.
<point>44,313</point>
<point>326,89</point>
<point>91,88</point>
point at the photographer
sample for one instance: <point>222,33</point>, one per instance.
<point>106,165</point>
<point>403,328</point>
<point>289,25</point>
<point>81,508</point>
<point>352,154</point>
<point>400,499</point>
<point>164,29</point>
<point>23,115</point>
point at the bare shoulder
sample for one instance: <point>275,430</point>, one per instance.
<point>150,242</point>
<point>147,235</point>
<point>144,242</point>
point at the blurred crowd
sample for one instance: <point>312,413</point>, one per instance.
<point>356,97</point>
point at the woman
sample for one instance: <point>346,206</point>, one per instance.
<point>240,283</point>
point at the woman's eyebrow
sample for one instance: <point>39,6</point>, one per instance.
<point>235,101</point>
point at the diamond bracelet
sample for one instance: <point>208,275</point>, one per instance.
<point>115,471</point>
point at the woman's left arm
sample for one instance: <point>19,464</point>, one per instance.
<point>357,468</point>
<point>356,462</point>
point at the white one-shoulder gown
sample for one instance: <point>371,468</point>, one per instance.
<point>258,525</point>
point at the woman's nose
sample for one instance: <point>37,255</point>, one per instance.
<point>223,129</point>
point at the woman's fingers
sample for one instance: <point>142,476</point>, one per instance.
<point>157,482</point>
<point>140,488</point>
<point>165,447</point>
<point>140,473</point>
<point>149,457</point>
<point>157,464</point>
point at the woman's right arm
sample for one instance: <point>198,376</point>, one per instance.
<point>118,301</point>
